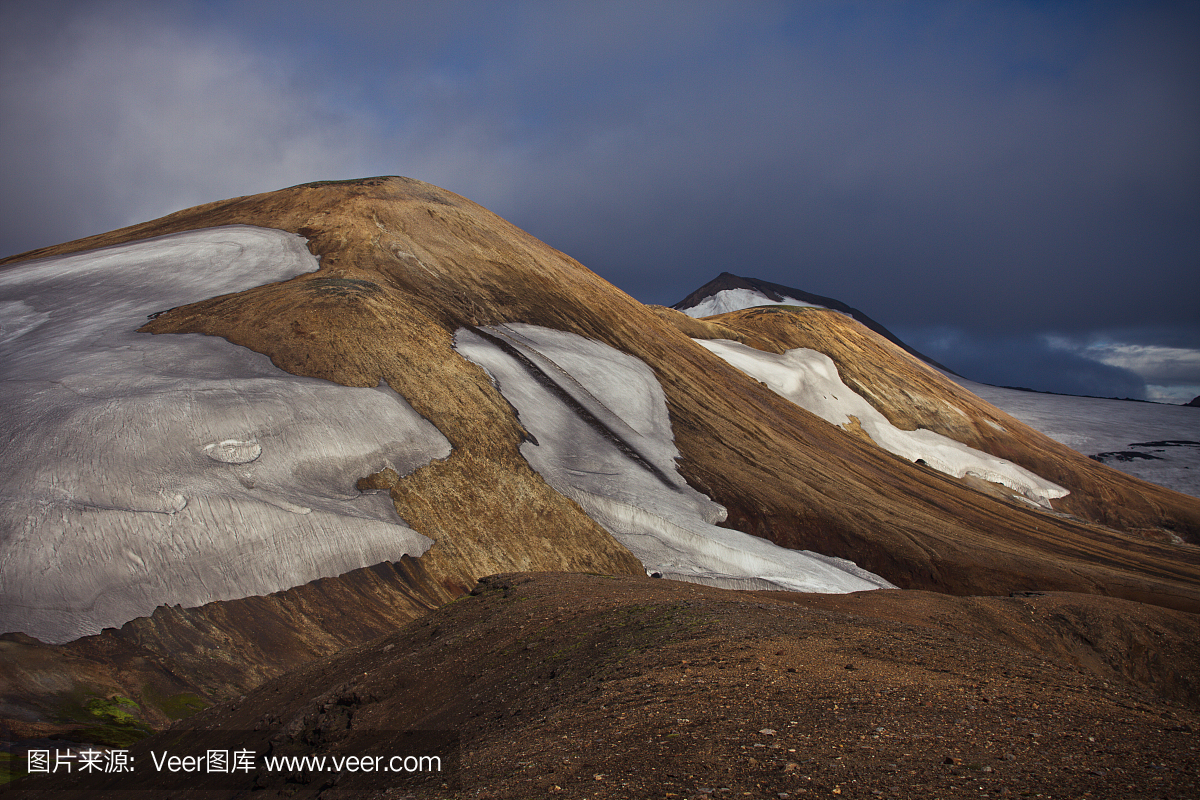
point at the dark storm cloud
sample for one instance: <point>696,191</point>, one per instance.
<point>857,162</point>
<point>1026,362</point>
<point>118,112</point>
<point>1009,170</point>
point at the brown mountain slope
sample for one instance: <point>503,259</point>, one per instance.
<point>777,292</point>
<point>912,395</point>
<point>404,264</point>
<point>178,660</point>
<point>639,688</point>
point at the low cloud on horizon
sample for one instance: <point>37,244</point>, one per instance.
<point>1017,182</point>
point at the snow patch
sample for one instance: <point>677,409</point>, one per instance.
<point>140,470</point>
<point>1093,425</point>
<point>603,438</point>
<point>17,319</point>
<point>728,300</point>
<point>810,380</point>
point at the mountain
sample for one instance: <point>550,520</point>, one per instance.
<point>728,292</point>
<point>271,429</point>
<point>1165,444</point>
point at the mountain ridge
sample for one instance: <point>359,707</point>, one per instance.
<point>308,329</point>
<point>406,267</point>
<point>778,293</point>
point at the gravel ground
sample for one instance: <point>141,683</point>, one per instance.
<point>589,686</point>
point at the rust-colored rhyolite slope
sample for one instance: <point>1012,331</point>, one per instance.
<point>913,395</point>
<point>180,659</point>
<point>404,264</point>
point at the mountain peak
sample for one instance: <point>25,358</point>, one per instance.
<point>728,292</point>
<point>398,392</point>
<point>405,294</point>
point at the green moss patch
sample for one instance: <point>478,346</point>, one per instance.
<point>114,721</point>
<point>11,768</point>
<point>181,705</point>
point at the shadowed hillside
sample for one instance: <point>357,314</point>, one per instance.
<point>637,688</point>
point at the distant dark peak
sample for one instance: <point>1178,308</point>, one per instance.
<point>721,283</point>
<point>777,292</point>
<point>774,291</point>
<point>1195,402</point>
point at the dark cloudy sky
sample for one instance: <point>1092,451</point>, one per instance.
<point>1012,187</point>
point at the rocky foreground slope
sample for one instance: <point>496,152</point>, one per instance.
<point>515,355</point>
<point>559,685</point>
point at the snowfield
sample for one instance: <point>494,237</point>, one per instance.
<point>728,300</point>
<point>1154,437</point>
<point>140,470</point>
<point>810,380</point>
<point>602,437</point>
